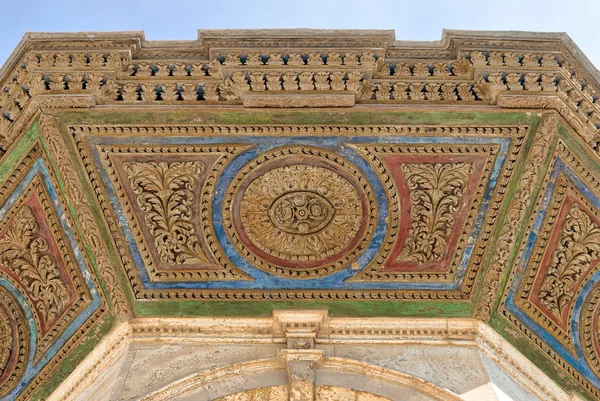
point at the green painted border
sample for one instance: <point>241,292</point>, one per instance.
<point>504,327</point>
<point>379,116</point>
<point>350,117</point>
<point>107,322</point>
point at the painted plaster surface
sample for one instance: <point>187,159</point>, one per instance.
<point>148,368</point>
<point>250,171</point>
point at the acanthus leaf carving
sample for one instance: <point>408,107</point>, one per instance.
<point>435,193</point>
<point>578,247</point>
<point>24,251</point>
<point>165,193</point>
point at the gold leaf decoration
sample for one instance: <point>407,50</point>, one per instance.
<point>165,193</point>
<point>23,251</point>
<point>435,194</point>
<point>578,246</point>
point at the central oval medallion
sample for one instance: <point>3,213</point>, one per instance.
<point>300,212</point>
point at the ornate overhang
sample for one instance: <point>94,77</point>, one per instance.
<point>248,171</point>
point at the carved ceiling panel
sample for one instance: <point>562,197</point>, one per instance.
<point>398,211</point>
<point>552,293</point>
<point>142,179</point>
<point>49,297</point>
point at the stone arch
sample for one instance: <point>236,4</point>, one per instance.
<point>335,378</point>
<point>322,393</point>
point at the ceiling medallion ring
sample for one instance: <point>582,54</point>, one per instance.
<point>300,212</point>
<point>14,342</point>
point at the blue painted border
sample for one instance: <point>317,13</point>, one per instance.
<point>578,361</point>
<point>33,369</point>
<point>262,280</point>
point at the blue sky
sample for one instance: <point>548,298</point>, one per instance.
<point>412,20</point>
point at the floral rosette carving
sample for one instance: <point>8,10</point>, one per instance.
<point>299,214</point>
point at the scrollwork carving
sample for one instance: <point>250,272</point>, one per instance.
<point>24,251</point>
<point>165,193</point>
<point>435,193</point>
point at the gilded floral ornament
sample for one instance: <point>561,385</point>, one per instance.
<point>165,193</point>
<point>23,251</point>
<point>578,247</point>
<point>301,212</point>
<point>435,194</point>
<point>297,213</point>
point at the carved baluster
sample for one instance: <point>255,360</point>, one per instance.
<point>57,82</point>
<point>232,60</point>
<point>190,92</point>
<point>478,59</point>
<point>448,91</point>
<point>109,91</point>
<point>96,60</point>
<point>130,92</point>
<point>548,83</point>
<point>353,80</point>
<point>351,59</point>
<point>240,82</point>
<point>402,70</point>
<point>465,92</point>
<point>143,70</point>
<point>148,92</point>
<point>462,68</point>
<point>530,60</point>
<point>367,59</point>
<point>306,81</point>
<point>440,70</point>
<point>321,81</point>
<point>495,59</point>
<point>274,81</point>
<point>75,81</point>
<point>290,82</point>
<point>549,60</point>
<point>62,60</point>
<point>314,59</point>
<point>421,70</point>
<point>383,91</point>
<point>511,59</point>
<point>210,92</point>
<point>254,59</point>
<point>274,59</point>
<point>163,70</point>
<point>334,59</point>
<point>433,91</point>
<point>169,92</point>
<point>257,81</point>
<point>93,80</point>
<point>401,91</point>
<point>531,82</point>
<point>179,70</point>
<point>295,59</point>
<point>513,81</point>
<point>214,69</point>
<point>416,91</point>
<point>79,60</point>
<point>337,81</point>
<point>46,60</point>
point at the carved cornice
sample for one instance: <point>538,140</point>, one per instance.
<point>221,330</point>
<point>264,70</point>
